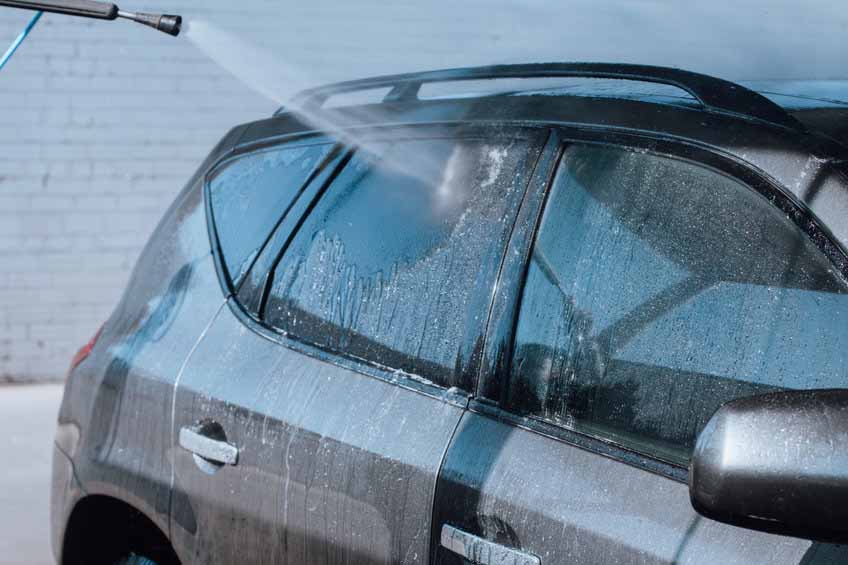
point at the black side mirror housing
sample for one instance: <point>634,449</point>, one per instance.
<point>776,463</point>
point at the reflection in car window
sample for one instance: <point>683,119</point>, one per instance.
<point>250,194</point>
<point>658,290</point>
<point>398,268</point>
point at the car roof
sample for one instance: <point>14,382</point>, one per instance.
<point>714,94</point>
<point>811,108</point>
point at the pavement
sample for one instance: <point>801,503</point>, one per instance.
<point>27,420</point>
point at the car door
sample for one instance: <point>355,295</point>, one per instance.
<point>654,289</point>
<point>312,418</point>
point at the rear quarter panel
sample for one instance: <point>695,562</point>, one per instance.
<point>114,421</point>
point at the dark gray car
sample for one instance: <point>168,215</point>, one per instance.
<point>482,329</point>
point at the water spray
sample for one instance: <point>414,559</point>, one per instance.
<point>87,9</point>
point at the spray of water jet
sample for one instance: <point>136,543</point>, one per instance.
<point>271,77</point>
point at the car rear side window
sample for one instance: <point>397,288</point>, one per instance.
<point>396,265</point>
<point>658,290</point>
<point>250,194</point>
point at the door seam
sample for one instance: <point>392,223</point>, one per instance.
<point>432,547</point>
<point>173,436</point>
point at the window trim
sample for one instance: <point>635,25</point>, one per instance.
<point>453,396</point>
<point>285,230</point>
<point>587,442</point>
<point>491,396</point>
<point>228,286</point>
<point>254,322</point>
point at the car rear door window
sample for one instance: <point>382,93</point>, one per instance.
<point>250,194</point>
<point>397,262</point>
<point>659,289</point>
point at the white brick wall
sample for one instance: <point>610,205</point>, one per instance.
<point>100,125</point>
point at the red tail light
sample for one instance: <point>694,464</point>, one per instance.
<point>85,350</point>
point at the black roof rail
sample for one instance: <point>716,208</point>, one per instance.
<point>714,94</point>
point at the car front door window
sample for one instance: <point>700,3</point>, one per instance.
<point>659,289</point>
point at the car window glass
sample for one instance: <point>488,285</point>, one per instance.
<point>249,195</point>
<point>658,290</point>
<point>396,265</point>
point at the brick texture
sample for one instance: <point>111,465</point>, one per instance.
<point>101,123</point>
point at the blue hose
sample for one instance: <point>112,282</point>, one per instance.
<point>20,39</point>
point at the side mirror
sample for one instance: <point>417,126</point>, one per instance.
<point>776,463</point>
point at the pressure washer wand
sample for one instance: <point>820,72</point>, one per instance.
<point>99,10</point>
<point>163,22</point>
<point>86,9</point>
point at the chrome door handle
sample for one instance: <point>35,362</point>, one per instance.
<point>197,440</point>
<point>484,552</point>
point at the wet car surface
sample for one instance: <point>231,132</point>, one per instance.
<point>462,329</point>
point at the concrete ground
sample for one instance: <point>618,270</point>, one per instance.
<point>27,421</point>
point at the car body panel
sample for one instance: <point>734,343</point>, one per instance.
<point>64,492</point>
<point>564,504</point>
<point>114,420</point>
<point>334,466</point>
